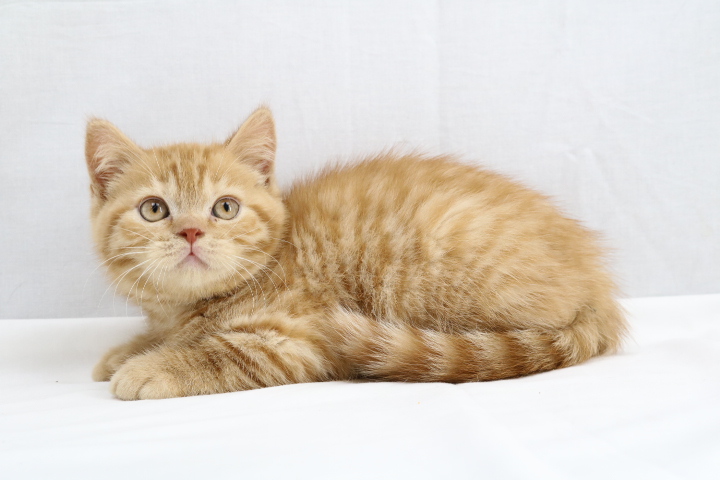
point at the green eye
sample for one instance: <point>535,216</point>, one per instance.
<point>154,209</point>
<point>226,208</point>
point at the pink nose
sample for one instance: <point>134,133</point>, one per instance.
<point>191,234</point>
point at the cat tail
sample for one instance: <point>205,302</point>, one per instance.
<point>401,352</point>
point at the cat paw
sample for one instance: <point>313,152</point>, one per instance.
<point>101,372</point>
<point>108,365</point>
<point>117,356</point>
<point>145,377</point>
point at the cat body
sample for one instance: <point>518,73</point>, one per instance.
<point>398,267</point>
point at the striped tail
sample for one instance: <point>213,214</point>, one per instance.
<point>401,352</point>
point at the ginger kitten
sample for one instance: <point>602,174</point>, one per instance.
<point>396,268</point>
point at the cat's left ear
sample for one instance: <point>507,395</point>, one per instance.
<point>254,143</point>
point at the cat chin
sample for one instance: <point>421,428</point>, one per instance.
<point>190,283</point>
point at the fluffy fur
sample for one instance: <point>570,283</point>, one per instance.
<point>398,267</point>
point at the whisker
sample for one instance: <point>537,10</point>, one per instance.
<point>275,260</point>
<point>163,274</point>
<point>254,229</point>
<point>136,233</point>
<point>103,263</point>
<point>250,286</point>
<point>127,301</point>
<point>252,277</point>
<point>117,282</point>
<point>147,279</point>
<point>264,268</point>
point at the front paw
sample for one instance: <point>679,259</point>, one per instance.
<point>117,356</point>
<point>102,372</point>
<point>110,363</point>
<point>146,376</point>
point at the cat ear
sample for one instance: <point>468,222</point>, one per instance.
<point>254,143</point>
<point>107,150</point>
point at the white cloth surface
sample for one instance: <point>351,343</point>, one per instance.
<point>612,107</point>
<point>652,411</point>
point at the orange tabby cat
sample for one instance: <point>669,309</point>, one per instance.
<point>397,268</point>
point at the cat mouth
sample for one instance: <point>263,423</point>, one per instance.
<point>192,260</point>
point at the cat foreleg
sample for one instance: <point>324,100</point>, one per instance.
<point>242,356</point>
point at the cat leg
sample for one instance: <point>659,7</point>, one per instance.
<point>239,355</point>
<point>116,356</point>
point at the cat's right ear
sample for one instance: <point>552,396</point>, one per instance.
<point>107,151</point>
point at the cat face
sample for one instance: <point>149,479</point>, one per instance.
<point>187,221</point>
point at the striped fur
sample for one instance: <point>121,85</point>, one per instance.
<point>398,267</point>
<point>402,352</point>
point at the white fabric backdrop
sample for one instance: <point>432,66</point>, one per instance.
<point>612,107</point>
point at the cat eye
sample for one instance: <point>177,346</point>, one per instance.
<point>226,208</point>
<point>154,209</point>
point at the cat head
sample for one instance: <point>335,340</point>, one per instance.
<point>184,222</point>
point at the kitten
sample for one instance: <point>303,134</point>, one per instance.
<point>396,268</point>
